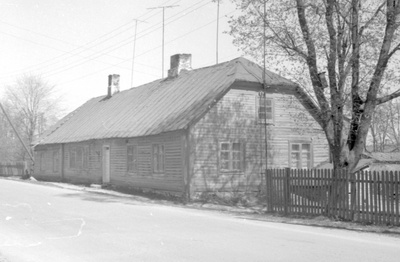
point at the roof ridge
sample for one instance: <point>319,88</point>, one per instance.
<point>241,62</point>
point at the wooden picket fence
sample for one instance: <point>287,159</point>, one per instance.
<point>368,197</point>
<point>13,168</point>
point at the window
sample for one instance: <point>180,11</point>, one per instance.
<point>79,157</point>
<point>41,163</point>
<point>231,156</point>
<point>72,158</point>
<point>132,156</point>
<point>300,155</point>
<point>85,157</point>
<point>158,158</point>
<point>264,109</point>
<point>56,161</point>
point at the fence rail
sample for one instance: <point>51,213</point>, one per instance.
<point>369,197</point>
<point>13,168</point>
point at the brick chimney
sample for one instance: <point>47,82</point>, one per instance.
<point>179,62</point>
<point>113,85</point>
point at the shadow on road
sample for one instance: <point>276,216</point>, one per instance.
<point>104,198</point>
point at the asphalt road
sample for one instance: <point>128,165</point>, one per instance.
<point>44,223</point>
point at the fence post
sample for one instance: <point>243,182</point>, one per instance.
<point>268,184</point>
<point>353,195</point>
<point>286,190</point>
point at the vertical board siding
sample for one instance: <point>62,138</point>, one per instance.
<point>306,192</point>
<point>234,118</point>
<point>170,180</point>
<point>90,174</point>
<point>43,168</point>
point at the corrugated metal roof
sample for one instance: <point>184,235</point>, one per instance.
<point>362,164</point>
<point>384,157</point>
<point>160,106</point>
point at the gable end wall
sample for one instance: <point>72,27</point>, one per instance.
<point>233,118</point>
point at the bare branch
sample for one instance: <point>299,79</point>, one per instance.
<point>372,18</point>
<point>387,98</point>
<point>395,49</point>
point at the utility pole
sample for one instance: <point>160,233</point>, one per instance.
<point>163,16</point>
<point>16,132</point>
<point>134,47</point>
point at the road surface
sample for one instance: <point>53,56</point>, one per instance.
<point>45,223</point>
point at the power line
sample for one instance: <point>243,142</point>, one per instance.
<point>112,33</point>
<point>126,42</point>
<point>125,60</point>
<point>109,49</point>
<point>192,31</point>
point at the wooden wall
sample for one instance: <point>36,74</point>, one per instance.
<point>88,173</point>
<point>45,167</point>
<point>234,118</point>
<point>172,180</point>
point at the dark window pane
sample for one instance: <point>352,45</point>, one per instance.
<point>225,156</point>
<point>306,147</point>
<point>236,147</point>
<point>225,165</point>
<point>224,146</point>
<point>295,147</point>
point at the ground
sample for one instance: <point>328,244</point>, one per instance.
<point>47,222</point>
<point>248,207</point>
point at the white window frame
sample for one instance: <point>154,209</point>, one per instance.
<point>230,153</point>
<point>300,154</point>
<point>260,102</point>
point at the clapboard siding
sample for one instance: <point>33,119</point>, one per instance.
<point>89,173</point>
<point>170,180</point>
<point>234,118</point>
<point>45,168</point>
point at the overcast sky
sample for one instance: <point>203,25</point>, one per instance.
<point>76,44</point>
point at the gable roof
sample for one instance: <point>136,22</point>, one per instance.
<point>160,106</point>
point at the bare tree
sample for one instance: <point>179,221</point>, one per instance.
<point>33,106</point>
<point>355,42</point>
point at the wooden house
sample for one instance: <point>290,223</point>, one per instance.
<point>200,130</point>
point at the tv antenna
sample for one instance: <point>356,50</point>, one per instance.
<point>163,27</point>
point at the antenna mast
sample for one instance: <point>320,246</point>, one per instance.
<point>163,26</point>
<point>217,30</point>
<point>134,47</point>
<point>265,89</point>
